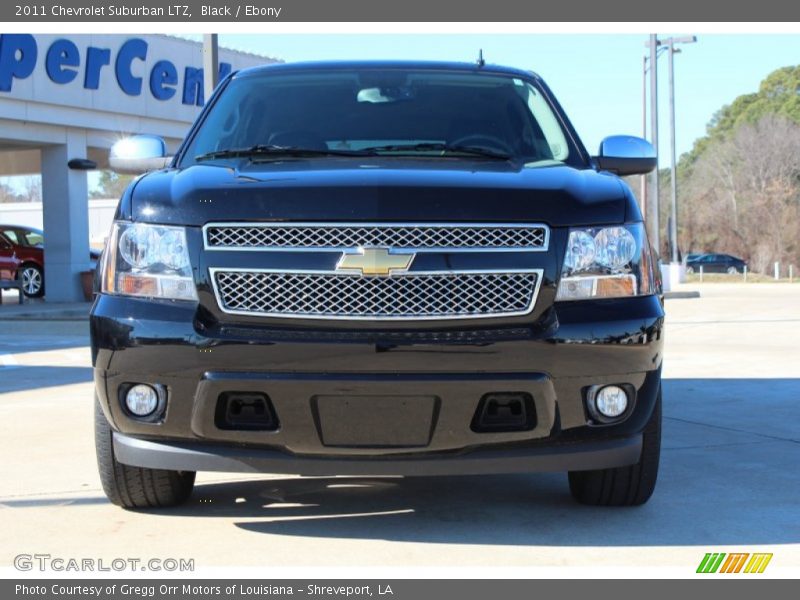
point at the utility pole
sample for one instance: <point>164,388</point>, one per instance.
<point>673,211</point>
<point>669,43</point>
<point>652,217</point>
<point>643,178</point>
<point>210,64</point>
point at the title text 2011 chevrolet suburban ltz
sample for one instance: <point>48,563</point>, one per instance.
<point>378,268</point>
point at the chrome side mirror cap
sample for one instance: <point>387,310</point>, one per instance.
<point>626,155</point>
<point>138,154</point>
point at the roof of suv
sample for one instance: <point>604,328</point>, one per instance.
<point>388,64</point>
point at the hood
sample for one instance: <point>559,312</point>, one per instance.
<point>379,189</point>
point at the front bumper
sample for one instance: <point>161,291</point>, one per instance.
<point>571,347</point>
<point>177,456</point>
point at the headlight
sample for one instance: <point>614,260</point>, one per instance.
<point>606,262</point>
<point>149,261</point>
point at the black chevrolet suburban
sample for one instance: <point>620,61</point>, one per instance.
<point>378,268</point>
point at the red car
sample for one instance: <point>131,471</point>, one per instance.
<point>22,251</point>
<point>9,263</point>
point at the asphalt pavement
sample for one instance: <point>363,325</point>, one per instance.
<point>729,474</point>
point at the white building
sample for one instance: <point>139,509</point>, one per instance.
<point>65,97</point>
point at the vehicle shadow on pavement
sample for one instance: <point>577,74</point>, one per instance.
<point>23,377</point>
<point>496,510</point>
<point>59,501</point>
<point>727,477</point>
<point>10,344</point>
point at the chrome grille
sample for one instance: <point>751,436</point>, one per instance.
<point>418,295</point>
<point>419,237</point>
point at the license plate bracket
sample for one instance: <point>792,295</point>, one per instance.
<point>375,421</point>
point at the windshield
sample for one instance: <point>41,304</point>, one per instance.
<point>390,112</point>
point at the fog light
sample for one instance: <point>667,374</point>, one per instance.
<point>141,400</point>
<point>611,401</point>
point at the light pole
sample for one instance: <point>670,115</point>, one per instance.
<point>643,178</point>
<point>652,205</point>
<point>645,69</point>
<point>669,43</point>
<point>210,64</point>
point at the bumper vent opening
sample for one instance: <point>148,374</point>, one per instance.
<point>246,411</point>
<point>504,411</point>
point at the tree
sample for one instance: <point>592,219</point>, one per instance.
<point>739,186</point>
<point>743,194</point>
<point>111,185</point>
<point>7,194</point>
<point>778,94</point>
<point>26,188</point>
<point>31,189</point>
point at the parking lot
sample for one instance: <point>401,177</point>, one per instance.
<point>729,477</point>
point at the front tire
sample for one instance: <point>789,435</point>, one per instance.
<point>689,270</point>
<point>732,270</point>
<point>623,486</point>
<point>32,281</point>
<point>136,487</point>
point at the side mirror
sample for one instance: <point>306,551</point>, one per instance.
<point>626,155</point>
<point>138,154</point>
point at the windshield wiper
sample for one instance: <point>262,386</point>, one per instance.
<point>440,147</point>
<point>272,150</point>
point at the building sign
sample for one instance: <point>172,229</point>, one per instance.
<point>68,64</point>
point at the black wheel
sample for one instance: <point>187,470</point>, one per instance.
<point>689,270</point>
<point>32,281</point>
<point>136,487</point>
<point>732,270</point>
<point>623,486</point>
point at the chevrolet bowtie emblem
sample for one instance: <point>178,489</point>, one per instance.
<point>374,261</point>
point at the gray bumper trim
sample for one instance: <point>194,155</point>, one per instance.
<point>177,456</point>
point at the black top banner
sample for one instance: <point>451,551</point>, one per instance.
<point>458,11</point>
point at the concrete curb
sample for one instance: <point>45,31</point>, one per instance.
<point>680,295</point>
<point>35,328</point>
<point>44,317</point>
<point>45,312</point>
